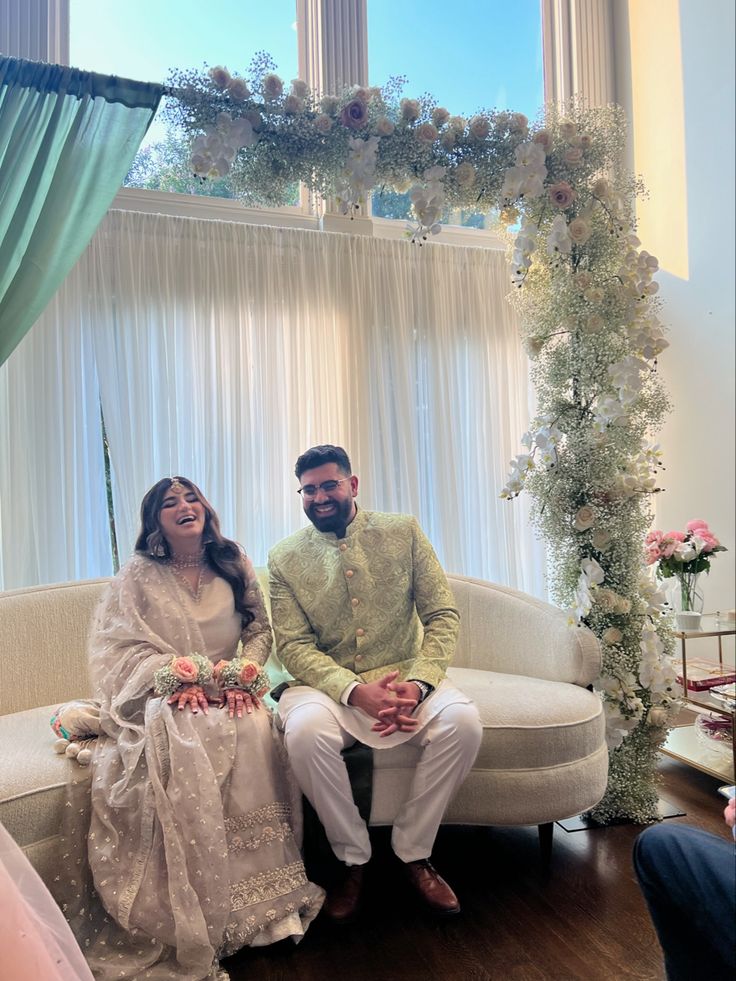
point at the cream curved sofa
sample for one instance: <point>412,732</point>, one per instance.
<point>543,756</point>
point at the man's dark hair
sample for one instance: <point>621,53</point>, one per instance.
<point>317,456</point>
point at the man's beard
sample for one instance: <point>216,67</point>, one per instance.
<point>337,521</point>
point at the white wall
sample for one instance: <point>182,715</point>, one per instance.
<point>675,78</point>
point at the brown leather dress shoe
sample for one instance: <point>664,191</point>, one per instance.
<point>343,899</point>
<point>432,888</point>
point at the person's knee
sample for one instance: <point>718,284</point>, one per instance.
<point>462,723</point>
<point>311,729</point>
<point>657,848</point>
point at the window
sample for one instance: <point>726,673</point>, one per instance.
<point>468,55</point>
<point>144,40</point>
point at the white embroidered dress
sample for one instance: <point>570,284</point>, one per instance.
<point>191,844</point>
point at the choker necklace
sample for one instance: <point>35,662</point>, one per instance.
<point>188,561</point>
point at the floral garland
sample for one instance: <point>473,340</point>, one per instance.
<point>191,670</point>
<point>587,302</point>
<point>244,674</point>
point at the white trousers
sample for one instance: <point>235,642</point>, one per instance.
<point>449,744</point>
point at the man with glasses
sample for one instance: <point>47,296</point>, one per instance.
<point>365,622</point>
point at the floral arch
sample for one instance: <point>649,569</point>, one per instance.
<point>584,291</point>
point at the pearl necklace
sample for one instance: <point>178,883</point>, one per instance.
<point>188,561</point>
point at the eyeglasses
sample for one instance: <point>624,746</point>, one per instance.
<point>308,491</point>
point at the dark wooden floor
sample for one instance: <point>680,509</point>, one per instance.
<point>584,921</point>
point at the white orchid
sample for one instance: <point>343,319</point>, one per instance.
<point>625,375</point>
<point>609,412</point>
<point>428,202</point>
<point>559,239</point>
<point>359,173</point>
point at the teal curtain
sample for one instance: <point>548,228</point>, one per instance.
<point>67,140</point>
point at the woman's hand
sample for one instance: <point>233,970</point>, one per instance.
<point>236,699</point>
<point>192,695</point>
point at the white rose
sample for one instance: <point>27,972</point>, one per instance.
<point>410,109</point>
<point>299,88</point>
<point>448,138</point>
<point>273,87</point>
<point>440,115</point>
<point>329,105</point>
<point>657,716</point>
<point>220,76</point>
<point>238,90</point>
<point>456,123</point>
<point>479,127</point>
<point>518,122</point>
<point>293,104</point>
<point>601,539</point>
<point>568,129</point>
<point>602,189</point>
<point>323,124</point>
<point>384,126</point>
<point>573,156</point>
<point>465,174</point>
<point>585,518</point>
<point>579,230</point>
<point>426,133</point>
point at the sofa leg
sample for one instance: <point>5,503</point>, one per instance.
<point>545,844</point>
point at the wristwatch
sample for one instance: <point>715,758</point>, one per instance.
<point>424,688</point>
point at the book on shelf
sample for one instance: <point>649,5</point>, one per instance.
<point>702,674</point>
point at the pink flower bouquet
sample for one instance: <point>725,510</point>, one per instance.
<point>684,554</point>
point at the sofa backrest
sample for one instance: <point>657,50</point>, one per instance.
<point>43,643</point>
<point>506,630</point>
<point>44,629</point>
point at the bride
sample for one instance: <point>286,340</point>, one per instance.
<point>191,845</point>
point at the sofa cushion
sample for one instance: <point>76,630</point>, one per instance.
<point>528,723</point>
<point>32,777</point>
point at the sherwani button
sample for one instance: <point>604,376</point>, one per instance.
<point>350,573</point>
<point>354,601</point>
<point>343,546</point>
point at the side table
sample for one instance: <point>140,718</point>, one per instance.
<point>683,743</point>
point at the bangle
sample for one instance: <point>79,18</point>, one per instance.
<point>190,670</point>
<point>242,673</point>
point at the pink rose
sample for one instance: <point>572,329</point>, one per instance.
<point>218,668</point>
<point>354,115</point>
<point>652,556</point>
<point>678,536</point>
<point>543,138</point>
<point>561,195</point>
<point>248,673</point>
<point>696,525</point>
<point>573,156</point>
<point>653,537</point>
<point>184,669</point>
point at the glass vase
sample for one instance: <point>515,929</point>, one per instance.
<point>690,601</point>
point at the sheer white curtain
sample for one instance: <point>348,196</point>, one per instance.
<point>224,350</point>
<point>53,510</point>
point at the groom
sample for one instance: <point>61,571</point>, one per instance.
<point>365,622</point>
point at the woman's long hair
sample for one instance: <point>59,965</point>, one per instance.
<point>223,555</point>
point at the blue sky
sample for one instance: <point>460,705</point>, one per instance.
<point>468,53</point>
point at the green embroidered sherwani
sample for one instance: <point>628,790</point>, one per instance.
<point>355,608</point>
